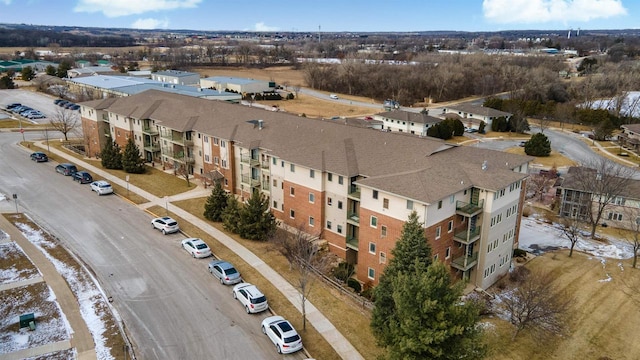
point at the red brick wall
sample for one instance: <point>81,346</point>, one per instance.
<point>303,208</point>
<point>92,137</point>
<point>121,136</point>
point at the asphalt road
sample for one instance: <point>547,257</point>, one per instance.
<point>171,306</point>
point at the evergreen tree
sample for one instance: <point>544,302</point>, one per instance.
<point>216,203</point>
<point>434,324</point>
<point>411,248</point>
<point>51,70</point>
<point>27,73</point>
<point>111,156</point>
<point>256,221</point>
<point>482,126</point>
<point>231,215</point>
<point>7,83</point>
<point>538,145</point>
<point>131,160</point>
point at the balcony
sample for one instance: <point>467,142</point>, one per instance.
<point>247,159</point>
<point>265,186</point>
<point>354,192</point>
<point>352,242</point>
<point>464,262</point>
<point>152,147</point>
<point>353,218</point>
<point>264,165</point>
<point>467,236</point>
<point>469,209</point>
<point>176,137</point>
<point>246,179</point>
<point>150,130</point>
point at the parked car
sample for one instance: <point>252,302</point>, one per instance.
<point>282,334</point>
<point>250,297</point>
<point>224,271</point>
<point>82,177</point>
<point>196,247</point>
<point>165,224</point>
<point>58,101</point>
<point>19,109</point>
<point>11,106</point>
<point>101,187</point>
<point>333,96</point>
<point>63,103</point>
<point>74,107</point>
<point>66,169</point>
<point>39,156</point>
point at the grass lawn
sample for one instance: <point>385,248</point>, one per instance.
<point>604,312</point>
<point>355,326</point>
<point>555,159</point>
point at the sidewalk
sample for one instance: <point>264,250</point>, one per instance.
<point>339,343</point>
<point>81,337</point>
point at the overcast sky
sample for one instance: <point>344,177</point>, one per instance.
<point>328,15</point>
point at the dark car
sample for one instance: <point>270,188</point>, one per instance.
<point>39,157</point>
<point>58,101</point>
<point>63,102</point>
<point>82,177</point>
<point>66,169</point>
<point>11,106</point>
<point>75,107</point>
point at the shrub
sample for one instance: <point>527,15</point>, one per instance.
<point>519,253</point>
<point>354,284</point>
<point>519,274</point>
<point>343,271</point>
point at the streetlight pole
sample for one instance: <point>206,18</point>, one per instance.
<point>46,135</point>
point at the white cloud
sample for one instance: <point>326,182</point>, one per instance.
<point>541,11</point>
<point>115,8</point>
<point>150,23</point>
<point>6,2</point>
<point>262,27</point>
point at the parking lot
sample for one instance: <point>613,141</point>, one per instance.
<point>38,101</point>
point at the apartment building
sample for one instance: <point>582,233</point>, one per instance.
<point>353,187</point>
<point>407,121</point>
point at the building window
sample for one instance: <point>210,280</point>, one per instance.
<point>223,144</point>
<point>329,176</point>
<point>312,221</point>
<point>339,204</point>
<point>450,226</point>
<point>312,198</point>
<point>383,258</point>
<point>372,248</point>
<point>339,229</point>
<point>329,201</point>
<point>409,205</point>
<point>292,191</point>
<point>274,161</point>
<point>374,221</point>
<point>224,164</point>
<point>371,273</point>
<point>292,167</point>
<point>329,225</point>
<point>292,214</point>
<point>440,204</point>
<point>438,230</point>
<point>275,183</point>
<point>226,182</point>
<point>216,160</point>
<point>282,163</point>
<point>340,180</point>
<point>452,199</point>
<point>275,204</point>
<point>312,173</point>
<point>383,231</point>
<point>375,194</point>
<point>385,203</point>
<point>447,253</point>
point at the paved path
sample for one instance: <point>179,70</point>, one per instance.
<point>339,343</point>
<point>81,337</point>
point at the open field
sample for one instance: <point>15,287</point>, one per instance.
<point>604,312</point>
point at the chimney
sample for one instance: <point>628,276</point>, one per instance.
<point>260,124</point>
<point>484,165</point>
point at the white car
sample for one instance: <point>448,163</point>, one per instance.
<point>250,297</point>
<point>101,187</point>
<point>282,334</point>
<point>333,96</point>
<point>165,224</point>
<point>196,247</point>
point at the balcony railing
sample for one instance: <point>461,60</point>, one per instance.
<point>246,179</point>
<point>266,186</point>
<point>464,262</point>
<point>176,137</point>
<point>352,242</point>
<point>467,236</point>
<point>150,130</point>
<point>264,165</point>
<point>354,217</point>
<point>469,209</point>
<point>247,159</point>
<point>354,192</point>
<point>152,147</point>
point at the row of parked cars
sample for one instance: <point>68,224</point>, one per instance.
<point>25,111</point>
<point>280,331</point>
<point>101,187</point>
<point>66,104</point>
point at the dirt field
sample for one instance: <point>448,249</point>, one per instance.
<point>605,316</point>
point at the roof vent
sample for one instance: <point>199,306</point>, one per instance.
<point>260,124</point>
<point>484,165</point>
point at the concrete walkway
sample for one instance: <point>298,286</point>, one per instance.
<point>339,343</point>
<point>81,337</point>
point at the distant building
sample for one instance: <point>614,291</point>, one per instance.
<point>472,115</point>
<point>239,85</point>
<point>407,121</point>
<point>176,77</point>
<point>19,64</point>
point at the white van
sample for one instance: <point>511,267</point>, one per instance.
<point>333,96</point>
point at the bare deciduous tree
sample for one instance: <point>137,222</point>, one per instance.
<point>304,254</point>
<point>632,236</point>
<point>65,121</point>
<point>534,304</point>
<point>571,229</point>
<point>296,89</point>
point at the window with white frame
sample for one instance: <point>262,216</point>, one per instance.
<point>340,180</point>
<point>383,231</point>
<point>383,257</point>
<point>339,229</point>
<point>292,191</point>
<point>371,273</point>
<point>292,214</point>
<point>223,144</point>
<point>339,204</point>
<point>275,204</point>
<point>374,221</point>
<point>224,164</point>
<point>312,198</point>
<point>328,224</point>
<point>372,248</point>
<point>409,205</point>
<point>447,252</point>
<point>329,201</point>
<point>385,203</point>
<point>312,221</point>
<point>312,173</point>
<point>615,216</point>
<point>440,204</point>
<point>275,183</point>
<point>329,177</point>
<point>216,141</point>
<point>450,226</point>
<point>375,194</point>
<point>438,230</point>
<point>292,167</point>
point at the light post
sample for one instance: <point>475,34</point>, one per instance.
<point>15,199</point>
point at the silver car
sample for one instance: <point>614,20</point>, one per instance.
<point>165,224</point>
<point>101,187</point>
<point>196,247</point>
<point>225,272</point>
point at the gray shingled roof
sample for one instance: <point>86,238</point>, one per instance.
<point>480,110</point>
<point>387,158</point>
<point>415,117</point>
